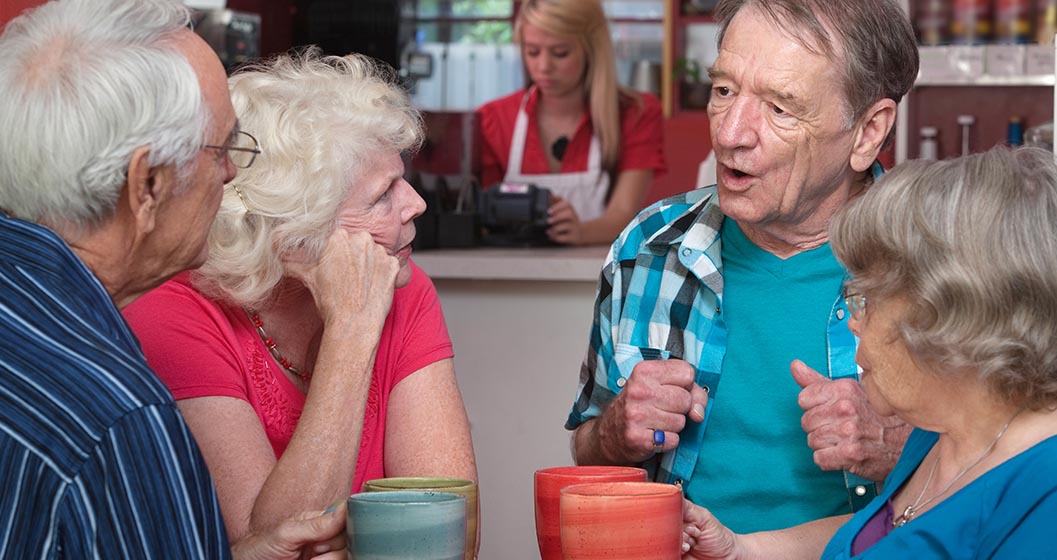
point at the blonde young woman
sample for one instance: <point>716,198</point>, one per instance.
<point>597,146</point>
<point>309,354</point>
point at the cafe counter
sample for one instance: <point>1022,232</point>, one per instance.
<point>519,320</point>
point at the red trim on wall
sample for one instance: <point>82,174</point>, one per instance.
<point>686,144</point>
<point>11,8</point>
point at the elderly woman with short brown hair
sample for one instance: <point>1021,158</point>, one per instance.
<point>954,298</point>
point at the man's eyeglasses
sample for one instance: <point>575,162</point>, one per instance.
<point>856,303</point>
<point>243,149</point>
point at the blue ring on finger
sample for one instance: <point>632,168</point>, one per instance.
<point>658,441</point>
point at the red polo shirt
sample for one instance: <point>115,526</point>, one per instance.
<point>641,142</point>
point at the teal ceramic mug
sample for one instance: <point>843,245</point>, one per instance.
<point>407,524</point>
<point>458,486</point>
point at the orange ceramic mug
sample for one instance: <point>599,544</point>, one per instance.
<point>548,485</point>
<point>627,520</point>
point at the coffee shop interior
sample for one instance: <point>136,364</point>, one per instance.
<point>519,308</point>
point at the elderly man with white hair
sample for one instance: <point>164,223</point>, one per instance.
<point>116,131</point>
<point>737,282</point>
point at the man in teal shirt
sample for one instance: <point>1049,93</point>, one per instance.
<point>737,282</point>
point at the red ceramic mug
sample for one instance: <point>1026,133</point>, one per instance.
<point>626,520</point>
<point>548,485</point>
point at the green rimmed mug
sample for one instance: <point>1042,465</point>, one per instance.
<point>459,486</point>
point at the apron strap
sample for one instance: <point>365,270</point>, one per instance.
<point>517,141</point>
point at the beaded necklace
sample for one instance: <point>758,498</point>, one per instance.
<point>273,349</point>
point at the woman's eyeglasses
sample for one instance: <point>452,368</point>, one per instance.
<point>856,303</point>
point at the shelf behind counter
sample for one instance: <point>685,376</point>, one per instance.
<point>519,320</point>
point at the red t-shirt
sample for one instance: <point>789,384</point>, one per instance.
<point>641,138</point>
<point>202,348</point>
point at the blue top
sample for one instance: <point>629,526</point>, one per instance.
<point>659,296</point>
<point>95,460</point>
<point>775,310</point>
<point>1009,512</point>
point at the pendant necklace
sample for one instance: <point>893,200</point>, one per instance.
<point>914,508</point>
<point>559,146</point>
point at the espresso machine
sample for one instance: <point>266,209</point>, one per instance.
<point>235,36</point>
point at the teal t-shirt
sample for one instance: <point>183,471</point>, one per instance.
<point>756,471</point>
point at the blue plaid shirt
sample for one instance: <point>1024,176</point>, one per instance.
<point>660,297</point>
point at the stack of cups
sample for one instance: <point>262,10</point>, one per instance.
<point>548,486</point>
<point>423,525</point>
<point>428,518</point>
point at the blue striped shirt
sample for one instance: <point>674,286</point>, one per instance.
<point>95,459</point>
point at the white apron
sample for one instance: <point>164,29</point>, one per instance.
<point>584,190</point>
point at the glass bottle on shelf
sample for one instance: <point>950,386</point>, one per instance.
<point>1013,22</point>
<point>932,20</point>
<point>927,148</point>
<point>1045,21</point>
<point>1015,131</point>
<point>1040,136</point>
<point>971,22</point>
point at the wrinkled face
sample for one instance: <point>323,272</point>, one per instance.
<point>383,204</point>
<point>894,383</point>
<point>555,64</point>
<point>183,225</point>
<point>777,125</point>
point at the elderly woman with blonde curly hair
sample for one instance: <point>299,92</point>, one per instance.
<point>309,354</point>
<point>954,298</point>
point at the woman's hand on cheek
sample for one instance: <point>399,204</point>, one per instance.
<point>354,277</point>
<point>565,227</point>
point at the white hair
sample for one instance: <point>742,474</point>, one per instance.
<point>85,83</point>
<point>322,123</point>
